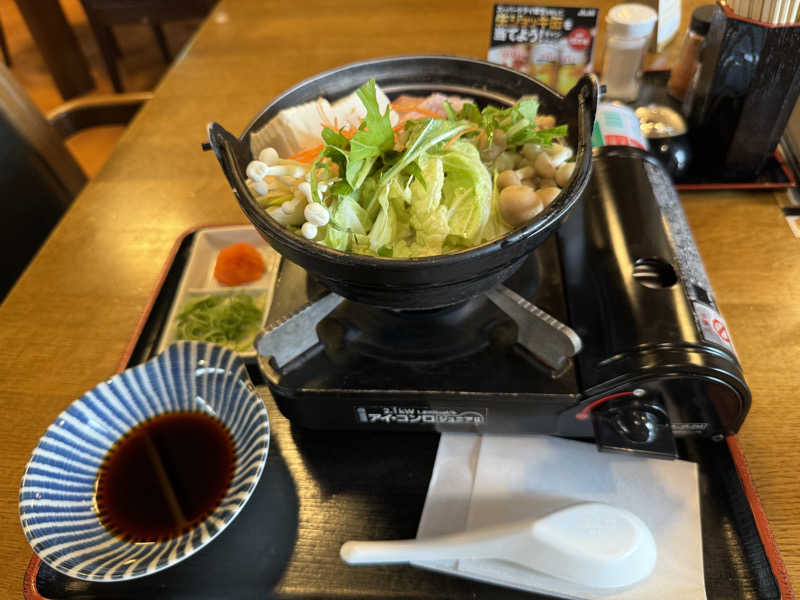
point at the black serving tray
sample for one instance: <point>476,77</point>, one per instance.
<point>320,489</point>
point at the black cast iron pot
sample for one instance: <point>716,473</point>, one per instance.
<point>435,281</point>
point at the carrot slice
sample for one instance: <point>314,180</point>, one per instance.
<point>312,153</point>
<point>237,264</point>
<point>307,155</point>
<point>459,134</point>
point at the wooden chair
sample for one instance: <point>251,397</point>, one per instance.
<point>104,14</point>
<point>4,46</point>
<point>38,175</point>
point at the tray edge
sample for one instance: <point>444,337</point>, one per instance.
<point>765,534</point>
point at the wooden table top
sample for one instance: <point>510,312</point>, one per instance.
<point>64,327</point>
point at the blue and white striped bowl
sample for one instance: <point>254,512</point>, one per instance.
<point>57,496</point>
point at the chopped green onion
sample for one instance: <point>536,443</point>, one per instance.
<point>231,320</point>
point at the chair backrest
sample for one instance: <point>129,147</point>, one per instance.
<point>117,12</point>
<point>38,179</point>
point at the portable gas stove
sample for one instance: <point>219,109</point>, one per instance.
<point>608,331</point>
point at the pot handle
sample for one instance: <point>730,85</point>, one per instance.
<point>230,152</point>
<point>586,94</point>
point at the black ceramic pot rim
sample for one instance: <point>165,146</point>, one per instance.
<point>587,90</point>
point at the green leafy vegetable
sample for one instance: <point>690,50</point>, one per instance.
<point>416,173</point>
<point>274,199</point>
<point>424,137</point>
<point>231,320</point>
<point>348,215</point>
<point>334,138</point>
<point>518,122</point>
<point>427,215</point>
<point>527,109</point>
<point>467,194</point>
<point>336,238</point>
<point>375,135</point>
<point>426,198</point>
<point>423,193</point>
<point>382,232</point>
<point>495,225</point>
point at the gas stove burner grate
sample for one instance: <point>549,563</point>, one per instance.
<point>414,336</point>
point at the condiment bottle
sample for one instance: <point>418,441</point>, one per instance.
<point>628,30</point>
<point>689,56</point>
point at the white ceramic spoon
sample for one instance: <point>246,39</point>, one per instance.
<point>595,545</point>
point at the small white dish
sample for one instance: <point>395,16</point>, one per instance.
<point>198,276</point>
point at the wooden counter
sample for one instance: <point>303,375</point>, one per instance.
<point>64,326</point>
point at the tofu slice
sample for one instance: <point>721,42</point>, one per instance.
<point>350,112</point>
<point>294,129</point>
<point>300,127</point>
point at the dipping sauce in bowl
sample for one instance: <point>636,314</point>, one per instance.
<point>165,476</point>
<point>146,468</point>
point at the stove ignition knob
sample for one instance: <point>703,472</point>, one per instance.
<point>637,425</point>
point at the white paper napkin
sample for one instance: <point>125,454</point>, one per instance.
<point>487,480</point>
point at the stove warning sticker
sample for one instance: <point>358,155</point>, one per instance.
<point>713,326</point>
<point>416,415</point>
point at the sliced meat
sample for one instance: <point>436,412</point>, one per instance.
<point>416,107</point>
<point>299,128</point>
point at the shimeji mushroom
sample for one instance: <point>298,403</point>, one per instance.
<point>518,204</point>
<point>507,178</point>
<point>564,173</point>
<point>549,159</point>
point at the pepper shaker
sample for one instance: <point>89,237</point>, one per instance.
<point>689,56</point>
